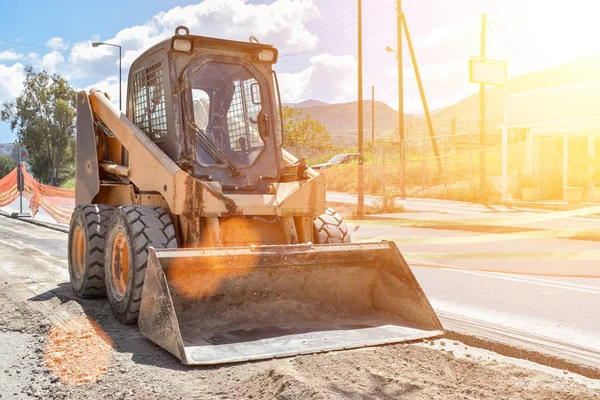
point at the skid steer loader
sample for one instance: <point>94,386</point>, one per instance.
<point>196,224</point>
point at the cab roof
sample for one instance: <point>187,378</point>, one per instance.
<point>203,41</point>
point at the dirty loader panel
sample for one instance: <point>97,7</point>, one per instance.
<point>213,306</point>
<point>86,165</point>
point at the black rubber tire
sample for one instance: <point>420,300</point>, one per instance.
<point>142,226</point>
<point>93,221</point>
<point>330,228</point>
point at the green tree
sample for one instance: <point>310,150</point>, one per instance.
<point>43,117</point>
<point>7,164</point>
<point>303,131</point>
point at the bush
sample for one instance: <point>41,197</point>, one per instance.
<point>7,164</point>
<point>69,184</point>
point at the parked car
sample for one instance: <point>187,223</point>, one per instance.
<point>337,160</point>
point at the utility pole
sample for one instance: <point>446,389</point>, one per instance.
<point>413,57</point>
<point>373,138</point>
<point>360,212</point>
<point>401,103</point>
<point>373,122</point>
<point>482,185</point>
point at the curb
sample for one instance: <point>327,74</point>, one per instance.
<point>55,227</point>
<point>522,353</point>
<point>523,345</point>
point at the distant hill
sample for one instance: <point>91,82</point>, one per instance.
<point>466,111</point>
<point>310,103</point>
<point>341,119</point>
<point>6,149</point>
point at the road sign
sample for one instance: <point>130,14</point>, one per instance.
<point>19,153</point>
<point>487,70</point>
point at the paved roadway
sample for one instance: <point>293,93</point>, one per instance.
<point>456,281</point>
<point>531,280</point>
<point>533,285</point>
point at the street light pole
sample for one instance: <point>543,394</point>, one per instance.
<point>96,44</point>
<point>120,79</point>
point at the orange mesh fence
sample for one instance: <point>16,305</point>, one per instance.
<point>57,202</point>
<point>8,188</point>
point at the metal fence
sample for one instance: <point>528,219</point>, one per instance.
<point>453,174</point>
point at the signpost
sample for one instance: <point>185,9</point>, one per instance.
<point>487,71</point>
<point>484,71</point>
<point>20,154</point>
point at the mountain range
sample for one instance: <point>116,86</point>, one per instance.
<point>341,119</point>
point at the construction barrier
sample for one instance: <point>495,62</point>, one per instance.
<point>58,203</point>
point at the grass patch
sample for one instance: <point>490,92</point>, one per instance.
<point>69,184</point>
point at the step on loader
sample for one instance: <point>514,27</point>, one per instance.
<point>196,224</point>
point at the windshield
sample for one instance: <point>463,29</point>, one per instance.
<point>226,105</point>
<point>336,159</point>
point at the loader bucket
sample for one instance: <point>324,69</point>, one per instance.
<point>224,305</point>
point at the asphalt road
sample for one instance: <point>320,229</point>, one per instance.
<point>536,294</point>
<point>453,267</point>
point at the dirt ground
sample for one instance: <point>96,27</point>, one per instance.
<point>54,346</point>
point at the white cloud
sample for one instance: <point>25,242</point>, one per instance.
<point>229,19</point>
<point>31,57</point>
<point>10,55</point>
<point>57,43</point>
<point>449,34</point>
<point>11,81</point>
<point>111,87</point>
<point>51,61</point>
<point>329,78</point>
<point>277,22</point>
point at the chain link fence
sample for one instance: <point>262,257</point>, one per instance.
<point>452,174</point>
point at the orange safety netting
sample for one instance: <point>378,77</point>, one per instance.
<point>57,202</point>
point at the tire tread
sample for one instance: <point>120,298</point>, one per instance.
<point>330,228</point>
<point>149,227</point>
<point>96,218</point>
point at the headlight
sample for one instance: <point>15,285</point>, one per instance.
<point>266,55</point>
<point>182,45</point>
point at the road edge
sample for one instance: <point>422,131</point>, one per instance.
<point>523,345</point>
<point>462,335</point>
<point>55,227</point>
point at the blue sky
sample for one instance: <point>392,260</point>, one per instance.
<point>316,38</point>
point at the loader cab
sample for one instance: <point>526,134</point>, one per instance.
<point>211,106</point>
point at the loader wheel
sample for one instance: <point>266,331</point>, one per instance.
<point>131,231</point>
<point>87,240</point>
<point>330,228</point>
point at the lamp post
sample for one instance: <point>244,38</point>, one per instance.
<point>96,44</point>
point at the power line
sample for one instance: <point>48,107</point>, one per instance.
<point>316,26</point>
<point>333,45</point>
<point>51,49</point>
<point>324,24</point>
<point>339,28</point>
<point>332,29</point>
